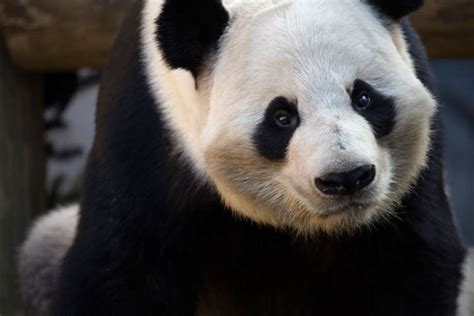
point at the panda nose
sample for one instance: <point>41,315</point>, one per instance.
<point>346,183</point>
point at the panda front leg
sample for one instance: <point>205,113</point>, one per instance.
<point>105,276</point>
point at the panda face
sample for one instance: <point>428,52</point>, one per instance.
<point>308,117</point>
<point>316,118</point>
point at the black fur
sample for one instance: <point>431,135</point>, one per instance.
<point>380,113</point>
<point>153,241</point>
<point>188,30</point>
<point>271,140</point>
<point>396,9</point>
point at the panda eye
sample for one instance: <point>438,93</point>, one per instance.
<point>284,119</point>
<point>377,108</point>
<point>363,100</point>
<point>273,134</point>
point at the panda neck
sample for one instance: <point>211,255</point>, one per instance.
<point>136,167</point>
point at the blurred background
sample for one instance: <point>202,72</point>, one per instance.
<point>51,56</point>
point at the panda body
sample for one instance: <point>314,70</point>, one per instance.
<point>193,206</point>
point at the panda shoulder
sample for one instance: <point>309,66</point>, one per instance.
<point>418,54</point>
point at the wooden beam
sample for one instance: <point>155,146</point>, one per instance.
<point>22,169</point>
<point>447,28</point>
<point>63,35</point>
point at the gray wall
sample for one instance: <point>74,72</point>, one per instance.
<point>455,80</point>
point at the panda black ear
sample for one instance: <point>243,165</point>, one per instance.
<point>396,9</point>
<point>187,30</point>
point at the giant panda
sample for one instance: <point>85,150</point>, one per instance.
<point>270,157</point>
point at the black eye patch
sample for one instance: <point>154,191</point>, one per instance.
<point>376,108</point>
<point>274,133</point>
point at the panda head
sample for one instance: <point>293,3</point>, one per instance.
<point>302,114</point>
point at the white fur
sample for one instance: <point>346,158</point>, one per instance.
<point>309,51</point>
<point>41,256</point>
<point>184,111</point>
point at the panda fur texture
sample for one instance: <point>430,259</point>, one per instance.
<point>265,158</point>
<point>45,247</point>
